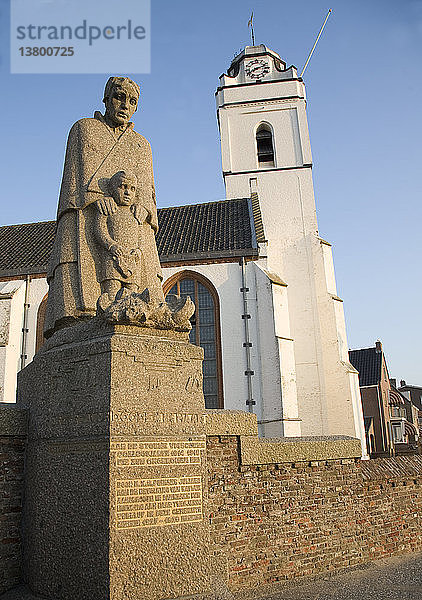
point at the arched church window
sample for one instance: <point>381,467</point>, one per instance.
<point>265,145</point>
<point>39,341</point>
<point>205,330</point>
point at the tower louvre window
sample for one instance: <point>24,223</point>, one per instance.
<point>265,146</point>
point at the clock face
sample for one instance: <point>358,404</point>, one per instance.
<point>256,69</point>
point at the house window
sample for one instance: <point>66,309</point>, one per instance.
<point>265,146</point>
<point>397,433</point>
<point>205,330</point>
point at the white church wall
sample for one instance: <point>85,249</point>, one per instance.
<point>37,290</point>
<point>250,93</point>
<point>343,350</point>
<point>291,420</point>
<point>348,376</point>
<point>290,225</point>
<point>5,306</point>
<point>330,277</point>
<point>265,359</point>
<point>242,155</point>
<point>279,414</point>
<point>305,142</point>
<point>269,409</point>
<point>339,373</point>
<point>12,298</point>
<point>258,379</point>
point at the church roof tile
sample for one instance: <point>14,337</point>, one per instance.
<point>25,249</point>
<point>202,231</point>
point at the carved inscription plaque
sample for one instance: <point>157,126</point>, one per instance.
<point>155,453</point>
<point>160,501</point>
<point>168,499</point>
<point>148,418</point>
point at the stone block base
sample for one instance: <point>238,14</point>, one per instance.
<point>116,466</point>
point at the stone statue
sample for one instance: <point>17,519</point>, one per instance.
<point>92,208</point>
<point>119,235</point>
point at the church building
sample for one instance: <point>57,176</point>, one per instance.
<point>267,311</point>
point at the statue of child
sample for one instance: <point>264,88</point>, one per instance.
<point>120,265</point>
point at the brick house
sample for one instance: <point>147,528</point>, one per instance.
<point>414,394</point>
<point>390,418</point>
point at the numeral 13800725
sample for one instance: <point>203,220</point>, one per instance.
<point>46,51</point>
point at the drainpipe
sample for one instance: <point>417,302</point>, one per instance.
<point>247,344</point>
<point>25,323</point>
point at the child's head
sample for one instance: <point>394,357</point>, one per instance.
<point>123,187</point>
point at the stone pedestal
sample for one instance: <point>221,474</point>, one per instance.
<point>115,492</point>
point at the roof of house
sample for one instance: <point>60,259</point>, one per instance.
<point>409,386</point>
<point>368,362</point>
<point>208,231</point>
<point>415,392</point>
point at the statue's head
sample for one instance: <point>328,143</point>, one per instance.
<point>123,187</point>
<point>121,97</point>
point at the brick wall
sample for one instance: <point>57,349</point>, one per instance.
<point>12,447</point>
<point>271,522</point>
<point>277,522</point>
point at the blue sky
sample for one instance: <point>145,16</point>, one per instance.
<point>364,87</point>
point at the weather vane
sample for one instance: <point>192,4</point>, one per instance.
<point>250,24</point>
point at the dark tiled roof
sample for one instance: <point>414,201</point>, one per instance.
<point>25,249</point>
<point>212,230</point>
<point>415,394</point>
<point>368,362</point>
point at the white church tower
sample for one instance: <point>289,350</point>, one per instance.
<point>266,156</point>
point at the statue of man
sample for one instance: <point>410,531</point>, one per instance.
<point>97,149</point>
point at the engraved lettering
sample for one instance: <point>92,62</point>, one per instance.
<point>153,382</point>
<point>160,501</point>
<point>156,418</point>
<point>158,453</point>
<point>193,384</point>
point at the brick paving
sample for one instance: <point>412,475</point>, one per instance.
<point>397,578</point>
